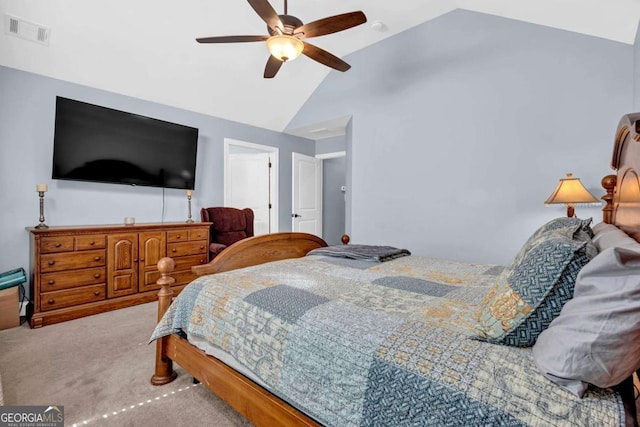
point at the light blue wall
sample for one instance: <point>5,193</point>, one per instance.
<point>636,77</point>
<point>27,112</point>
<point>331,145</point>
<point>462,126</point>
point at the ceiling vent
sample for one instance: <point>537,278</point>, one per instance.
<point>26,30</point>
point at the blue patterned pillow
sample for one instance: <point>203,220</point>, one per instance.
<point>530,293</point>
<point>566,222</point>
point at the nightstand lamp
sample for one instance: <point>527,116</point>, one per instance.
<point>570,191</point>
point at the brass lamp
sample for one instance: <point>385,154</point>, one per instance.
<point>570,191</point>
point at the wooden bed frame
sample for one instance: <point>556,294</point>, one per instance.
<point>262,408</point>
<point>252,401</point>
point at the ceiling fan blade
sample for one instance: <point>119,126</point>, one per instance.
<point>273,65</point>
<point>231,39</point>
<point>330,25</point>
<point>266,12</point>
<point>324,57</point>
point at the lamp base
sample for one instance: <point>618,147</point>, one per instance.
<point>41,226</point>
<point>570,211</point>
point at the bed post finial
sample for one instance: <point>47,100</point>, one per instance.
<point>609,184</point>
<point>345,239</point>
<point>164,366</point>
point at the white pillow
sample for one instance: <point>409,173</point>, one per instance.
<point>596,338</point>
<point>608,235</point>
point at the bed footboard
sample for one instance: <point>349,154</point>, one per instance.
<point>252,401</point>
<point>260,249</point>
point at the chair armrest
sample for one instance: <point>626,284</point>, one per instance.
<point>216,248</point>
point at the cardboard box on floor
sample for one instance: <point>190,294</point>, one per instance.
<point>9,309</point>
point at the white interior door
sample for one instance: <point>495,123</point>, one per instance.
<point>307,194</point>
<point>251,182</point>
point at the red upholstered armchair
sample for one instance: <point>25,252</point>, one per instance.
<point>229,226</point>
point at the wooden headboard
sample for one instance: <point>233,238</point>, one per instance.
<point>623,189</point>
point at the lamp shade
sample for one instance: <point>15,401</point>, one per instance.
<point>285,47</point>
<point>570,191</point>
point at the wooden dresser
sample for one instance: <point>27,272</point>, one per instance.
<point>83,270</point>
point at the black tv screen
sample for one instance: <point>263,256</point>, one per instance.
<point>94,143</point>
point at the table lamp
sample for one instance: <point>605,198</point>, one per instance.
<point>41,189</point>
<point>570,191</point>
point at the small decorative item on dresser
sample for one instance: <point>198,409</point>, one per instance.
<point>41,189</point>
<point>129,220</point>
<point>189,193</point>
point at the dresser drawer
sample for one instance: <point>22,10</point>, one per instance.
<point>97,241</point>
<point>56,244</point>
<point>181,235</point>
<point>198,234</point>
<point>68,261</point>
<point>72,279</point>
<point>183,277</point>
<point>187,248</point>
<point>70,297</point>
<point>186,262</point>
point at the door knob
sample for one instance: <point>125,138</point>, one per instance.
<point>295,215</point>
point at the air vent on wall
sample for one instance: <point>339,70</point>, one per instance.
<point>26,30</point>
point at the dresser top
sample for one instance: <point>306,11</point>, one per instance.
<point>81,229</point>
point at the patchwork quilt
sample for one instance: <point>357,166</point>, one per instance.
<point>362,343</point>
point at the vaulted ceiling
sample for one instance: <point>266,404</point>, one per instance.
<point>146,48</point>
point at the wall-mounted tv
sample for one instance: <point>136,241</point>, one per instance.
<point>94,143</point>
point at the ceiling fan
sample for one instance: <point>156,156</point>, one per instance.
<point>287,32</point>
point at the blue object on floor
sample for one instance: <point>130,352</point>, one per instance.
<point>12,278</point>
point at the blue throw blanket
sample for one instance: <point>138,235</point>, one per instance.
<point>363,252</point>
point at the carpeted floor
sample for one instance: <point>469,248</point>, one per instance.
<point>98,368</point>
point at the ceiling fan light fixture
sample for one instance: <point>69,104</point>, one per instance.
<point>285,47</point>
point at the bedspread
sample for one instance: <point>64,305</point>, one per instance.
<point>357,343</point>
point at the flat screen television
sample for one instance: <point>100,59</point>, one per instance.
<point>99,144</point>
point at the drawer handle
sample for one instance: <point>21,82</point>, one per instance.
<point>178,237</point>
<point>91,243</point>
<point>51,301</point>
<point>96,293</point>
<point>58,245</point>
<point>174,250</point>
<point>51,282</point>
<point>97,258</point>
<point>201,261</point>
<point>201,247</point>
<point>141,259</point>
<point>51,262</point>
<point>97,275</point>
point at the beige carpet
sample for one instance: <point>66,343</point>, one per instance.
<point>98,368</point>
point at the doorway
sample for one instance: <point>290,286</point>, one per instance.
<point>334,174</point>
<point>251,181</point>
<point>306,194</point>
